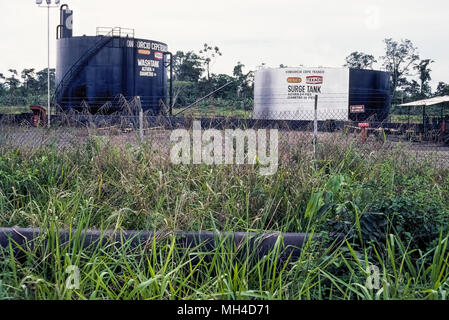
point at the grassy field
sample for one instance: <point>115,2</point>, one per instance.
<point>14,109</point>
<point>393,210</point>
<point>204,110</point>
<point>20,109</point>
<point>403,118</point>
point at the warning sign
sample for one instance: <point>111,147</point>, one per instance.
<point>357,108</point>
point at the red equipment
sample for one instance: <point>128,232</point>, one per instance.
<point>364,126</point>
<point>39,116</point>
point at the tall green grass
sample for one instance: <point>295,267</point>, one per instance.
<point>394,212</point>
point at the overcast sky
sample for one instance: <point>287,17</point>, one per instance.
<point>309,33</point>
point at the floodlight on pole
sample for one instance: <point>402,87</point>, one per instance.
<point>48,6</point>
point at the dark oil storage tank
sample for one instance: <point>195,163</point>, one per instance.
<point>98,70</point>
<point>369,95</point>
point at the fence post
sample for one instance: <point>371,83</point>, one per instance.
<point>139,107</point>
<point>315,130</point>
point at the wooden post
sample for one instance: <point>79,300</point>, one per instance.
<point>315,128</point>
<point>408,119</point>
<point>424,119</point>
<point>364,134</point>
<point>139,107</point>
<point>364,130</point>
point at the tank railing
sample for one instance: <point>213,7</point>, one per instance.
<point>115,32</point>
<point>73,71</point>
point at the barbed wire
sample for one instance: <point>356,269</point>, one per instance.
<point>335,128</point>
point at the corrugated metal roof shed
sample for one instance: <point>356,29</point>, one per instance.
<point>426,102</point>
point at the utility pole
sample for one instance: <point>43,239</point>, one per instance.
<point>48,6</point>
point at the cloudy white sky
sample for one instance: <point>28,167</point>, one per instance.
<point>311,33</point>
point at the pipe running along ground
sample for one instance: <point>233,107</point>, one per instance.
<point>257,244</point>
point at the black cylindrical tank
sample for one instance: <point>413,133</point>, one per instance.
<point>99,69</point>
<point>370,89</point>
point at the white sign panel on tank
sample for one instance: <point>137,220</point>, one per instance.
<point>289,93</point>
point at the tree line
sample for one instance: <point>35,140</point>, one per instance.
<point>193,77</point>
<point>25,88</point>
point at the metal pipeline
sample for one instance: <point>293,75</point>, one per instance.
<point>61,21</point>
<point>259,244</point>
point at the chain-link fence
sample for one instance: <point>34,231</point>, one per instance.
<point>306,138</point>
